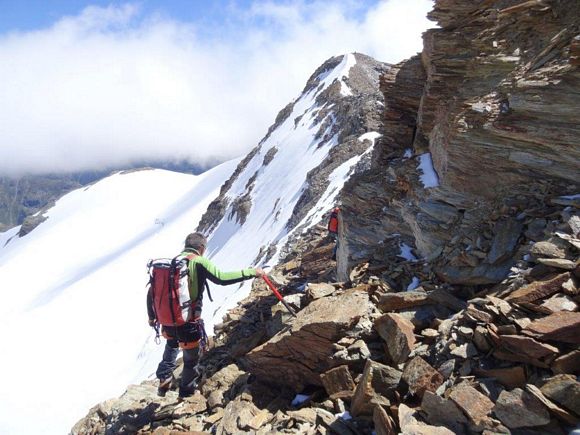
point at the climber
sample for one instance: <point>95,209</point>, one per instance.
<point>190,336</point>
<point>333,229</point>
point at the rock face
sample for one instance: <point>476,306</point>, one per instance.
<point>492,103</point>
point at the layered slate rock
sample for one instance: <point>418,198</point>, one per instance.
<point>376,387</point>
<point>518,408</point>
<point>299,355</point>
<point>492,103</point>
<point>397,332</point>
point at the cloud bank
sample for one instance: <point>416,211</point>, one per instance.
<point>114,85</point>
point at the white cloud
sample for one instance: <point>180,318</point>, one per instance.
<point>111,85</point>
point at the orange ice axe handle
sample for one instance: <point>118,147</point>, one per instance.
<point>278,295</point>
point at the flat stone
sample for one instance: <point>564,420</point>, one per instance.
<point>510,377</point>
<point>421,377</point>
<point>384,425</point>
<point>338,382</point>
<point>465,351</point>
<point>562,326</point>
<point>317,291</point>
<point>518,408</point>
<point>570,288</point>
<point>558,263</point>
<point>538,289</point>
<point>440,411</point>
<point>478,315</point>
<point>475,405</point>
<point>561,413</point>
<point>402,300</point>
<point>411,425</point>
<point>548,249</point>
<point>397,332</point>
<point>527,346</point>
<point>377,386</point>
<point>560,302</point>
<point>307,415</point>
<point>258,420</point>
<point>564,390</point>
<point>569,363</point>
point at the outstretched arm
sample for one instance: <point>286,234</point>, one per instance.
<point>216,276</point>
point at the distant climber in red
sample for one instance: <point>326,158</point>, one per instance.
<point>333,229</point>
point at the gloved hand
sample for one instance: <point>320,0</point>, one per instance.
<point>260,272</point>
<point>152,323</point>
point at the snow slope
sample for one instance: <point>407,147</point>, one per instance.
<point>73,310</point>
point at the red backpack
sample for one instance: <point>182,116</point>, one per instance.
<point>168,297</point>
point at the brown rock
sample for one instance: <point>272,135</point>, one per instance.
<point>564,390</point>
<point>307,415</point>
<point>480,339</point>
<point>558,263</point>
<point>384,425</point>
<point>440,411</point>
<point>563,326</point>
<point>548,249</point>
<point>338,382</point>
<point>560,302</point>
<point>538,289</point>
<point>478,315</point>
<point>317,291</point>
<point>303,351</point>
<point>402,300</point>
<point>472,402</point>
<point>569,363</point>
<point>527,346</point>
<point>376,387</point>
<point>421,377</point>
<point>518,408</point>
<point>511,377</point>
<point>397,332</point>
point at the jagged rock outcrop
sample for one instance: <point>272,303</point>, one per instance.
<point>492,103</point>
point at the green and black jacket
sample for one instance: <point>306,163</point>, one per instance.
<point>201,270</point>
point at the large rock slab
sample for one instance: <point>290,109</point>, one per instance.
<point>518,408</point>
<point>538,289</point>
<point>298,355</point>
<point>397,332</point>
<point>475,405</point>
<point>561,326</point>
<point>421,377</point>
<point>376,387</point>
<point>402,300</point>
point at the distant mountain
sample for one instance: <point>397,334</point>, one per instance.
<point>21,197</point>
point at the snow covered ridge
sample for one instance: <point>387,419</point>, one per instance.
<point>294,176</point>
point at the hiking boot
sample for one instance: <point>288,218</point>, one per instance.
<point>164,385</point>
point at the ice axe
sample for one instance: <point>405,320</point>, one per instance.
<point>278,295</point>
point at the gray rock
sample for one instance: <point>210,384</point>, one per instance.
<point>518,408</point>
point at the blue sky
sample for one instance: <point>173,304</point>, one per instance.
<point>26,15</point>
<point>85,84</point>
